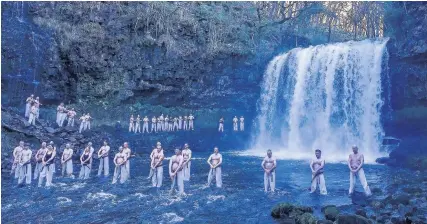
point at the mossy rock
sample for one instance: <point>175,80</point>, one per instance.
<point>331,212</point>
<point>306,218</point>
<point>286,210</point>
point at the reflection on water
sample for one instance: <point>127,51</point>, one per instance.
<point>241,200</point>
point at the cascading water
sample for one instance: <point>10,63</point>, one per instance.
<point>328,97</point>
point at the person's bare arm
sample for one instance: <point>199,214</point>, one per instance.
<point>81,157</point>
<point>209,161</point>
<point>99,152</point>
<point>62,157</point>
<point>171,174</point>
<point>115,160</point>
<point>349,163</point>
<point>322,164</point>
<point>70,156</point>
<point>263,165</point>
<point>29,157</point>
<point>52,157</point>
<point>311,166</point>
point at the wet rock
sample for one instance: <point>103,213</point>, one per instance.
<point>413,190</point>
<point>50,130</point>
<point>359,198</point>
<point>361,212</point>
<point>352,219</point>
<point>325,222</point>
<point>401,198</point>
<point>377,205</point>
<point>289,213</point>
<point>331,212</point>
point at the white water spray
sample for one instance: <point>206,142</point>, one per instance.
<point>327,97</point>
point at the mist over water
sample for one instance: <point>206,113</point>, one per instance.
<point>328,96</point>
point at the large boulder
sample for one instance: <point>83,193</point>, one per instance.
<point>331,212</point>
<point>351,219</point>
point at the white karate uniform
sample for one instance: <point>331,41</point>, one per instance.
<point>145,125</point>
<point>362,179</point>
<point>269,179</point>
<point>104,162</point>
<point>320,179</point>
<point>67,167</point>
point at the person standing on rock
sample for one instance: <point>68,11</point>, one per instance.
<point>53,161</point>
<point>103,159</point>
<point>82,123</point>
<point>47,171</point>
<point>269,167</point>
<point>355,163</point>
<point>179,122</point>
<point>166,124</point>
<point>159,125</point>
<point>86,162</point>
<point>88,120</point>
<point>317,177</point>
<point>120,170</point>
<point>157,167</point>
<point>215,161</point>
<point>235,120</point>
<point>242,123</point>
<point>16,157</point>
<point>71,115</point>
<point>137,127</point>
<point>145,124</point>
<point>185,123</point>
<point>25,166</point>
<point>67,162</point>
<point>127,151</point>
<point>39,160</point>
<point>37,104</point>
<point>59,110</point>
<point>186,154</point>
<point>33,114</point>
<point>221,125</point>
<point>131,123</point>
<point>28,104</point>
<point>175,172</point>
<point>153,124</point>
<point>191,122</point>
<point>171,124</point>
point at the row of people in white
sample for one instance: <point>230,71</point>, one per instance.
<point>235,124</point>
<point>179,166</point>
<point>161,123</point>
<point>355,163</point>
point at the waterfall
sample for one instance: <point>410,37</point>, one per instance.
<point>328,97</point>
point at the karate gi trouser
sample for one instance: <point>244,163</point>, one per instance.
<point>362,178</point>
<point>157,177</point>
<point>104,165</point>
<point>25,174</point>
<point>270,181</point>
<point>178,180</point>
<point>319,180</point>
<point>217,174</point>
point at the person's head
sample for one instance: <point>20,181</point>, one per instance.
<point>72,109</point>
<point>62,104</point>
<point>21,143</point>
<point>216,150</point>
<point>121,149</point>
<point>177,151</point>
<point>131,115</point>
<point>89,144</point>
<point>186,146</point>
<point>269,153</point>
<point>159,145</point>
<point>44,144</point>
<point>67,145</point>
<point>241,116</point>
<point>105,143</point>
<point>138,115</point>
<point>49,147</point>
<point>51,143</point>
<point>37,98</point>
<point>355,149</point>
<point>88,114</point>
<point>27,147</point>
<point>318,153</point>
<point>32,95</point>
<point>125,144</point>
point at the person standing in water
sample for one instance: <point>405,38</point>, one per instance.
<point>158,145</point>
<point>317,177</point>
<point>39,160</point>
<point>86,162</point>
<point>179,122</point>
<point>53,161</point>
<point>191,122</point>
<point>138,125</point>
<point>67,162</point>
<point>157,167</point>
<point>355,163</point>
<point>25,166</point>
<point>185,123</point>
<point>153,124</point>
<point>104,163</point>
<point>28,104</point>
<point>166,124</point>
<point>162,124</point>
<point>269,166</point>
<point>221,125</point>
<point>175,171</point>
<point>215,161</point>
<point>242,123</point>
<point>159,125</point>
<point>127,151</point>
<point>47,171</point>
<point>186,154</point>
<point>131,121</point>
<point>175,124</point>
<point>235,120</point>
<point>16,157</point>
<point>145,124</point>
<point>120,170</point>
